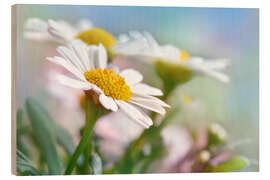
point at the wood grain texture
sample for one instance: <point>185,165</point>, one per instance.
<point>13,89</point>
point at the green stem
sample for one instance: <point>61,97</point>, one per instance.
<point>86,153</point>
<point>90,120</point>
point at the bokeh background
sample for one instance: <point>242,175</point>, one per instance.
<point>209,32</point>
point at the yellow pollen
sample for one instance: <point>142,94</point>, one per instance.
<point>184,56</point>
<point>95,36</point>
<point>187,99</point>
<point>111,84</point>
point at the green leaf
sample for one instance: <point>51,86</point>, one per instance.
<point>65,140</point>
<point>19,118</point>
<point>234,164</point>
<point>96,163</point>
<point>63,137</point>
<point>24,166</point>
<point>21,130</point>
<point>22,146</point>
<point>43,131</point>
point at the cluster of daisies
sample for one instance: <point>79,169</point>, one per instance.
<point>86,52</point>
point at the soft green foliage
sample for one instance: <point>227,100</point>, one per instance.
<point>86,158</point>
<point>44,133</point>
<point>234,164</point>
<point>19,118</point>
<point>96,163</point>
<point>47,135</point>
<point>24,166</point>
<point>21,131</point>
<point>64,139</point>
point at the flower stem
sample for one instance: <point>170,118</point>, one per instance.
<point>90,119</point>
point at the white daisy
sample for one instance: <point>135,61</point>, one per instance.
<point>63,32</point>
<point>143,46</point>
<point>124,91</point>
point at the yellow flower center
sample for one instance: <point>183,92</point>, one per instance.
<point>95,36</point>
<point>111,84</point>
<point>184,56</point>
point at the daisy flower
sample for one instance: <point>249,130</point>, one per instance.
<point>114,90</point>
<point>169,60</point>
<point>62,32</point>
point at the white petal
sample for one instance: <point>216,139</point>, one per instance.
<point>37,36</point>
<point>130,48</point>
<point>136,34</point>
<point>73,83</point>
<point>134,114</point>
<point>93,56</point>
<point>145,47</point>
<point>37,29</point>
<point>69,54</point>
<point>218,75</point>
<point>67,65</point>
<point>217,64</point>
<point>152,99</point>
<point>131,45</point>
<point>61,30</point>
<point>169,52</point>
<point>84,24</point>
<point>151,39</point>
<point>131,76</point>
<point>36,24</point>
<point>146,117</point>
<point>108,102</point>
<point>199,66</point>
<point>145,89</point>
<point>82,53</point>
<point>102,57</point>
<point>150,105</point>
<point>123,38</point>
<point>96,89</point>
<point>77,42</point>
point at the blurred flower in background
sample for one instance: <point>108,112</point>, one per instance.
<point>171,63</point>
<point>62,32</point>
<point>56,31</point>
